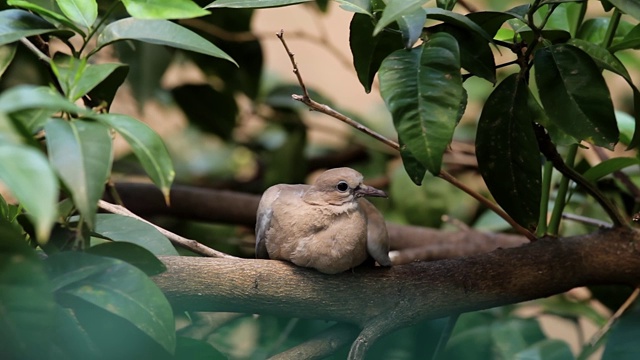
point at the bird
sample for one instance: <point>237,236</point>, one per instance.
<point>328,225</point>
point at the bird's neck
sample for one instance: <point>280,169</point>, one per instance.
<point>317,198</point>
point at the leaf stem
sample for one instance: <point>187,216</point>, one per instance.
<point>611,29</point>
<point>561,195</point>
<point>93,31</point>
<point>547,171</point>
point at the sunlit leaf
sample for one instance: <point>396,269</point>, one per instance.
<point>254,4</point>
<point>609,166</point>
<point>162,9</point>
<point>356,6</point>
<point>77,78</point>
<point>82,12</point>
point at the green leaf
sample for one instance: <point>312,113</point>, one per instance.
<point>367,50</point>
<point>630,41</point>
<point>26,97</point>
<point>630,7</point>
<point>51,15</point>
<point>254,4</point>
<point>189,348</point>
<point>490,21</point>
<point>127,229</point>
<point>27,174</point>
<point>609,166</point>
<point>394,10</point>
<point>423,90</point>
<point>160,32</point>
<point>548,349</point>
<point>161,9</point>
<point>82,12</point>
<point>77,78</point>
<point>622,339</point>
<point>446,4</point>
<point>562,305</point>
<point>134,254</point>
<point>459,20</point>
<point>118,288</point>
<point>574,94</point>
<point>16,24</point>
<point>147,146</point>
<point>507,151</point>
<point>7,53</point>
<point>411,25</point>
<point>356,6</point>
<point>26,300</point>
<point>412,166</point>
<point>104,92</point>
<point>81,153</point>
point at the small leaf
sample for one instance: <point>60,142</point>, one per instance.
<point>574,94</point>
<point>394,10</point>
<point>507,151</point>
<point>147,146</point>
<point>26,97</point>
<point>49,12</point>
<point>367,50</point>
<point>161,9</point>
<point>356,6</point>
<point>630,7</point>
<point>7,52</point>
<point>254,4</point>
<point>81,153</point>
<point>27,174</point>
<point>16,24</point>
<point>609,166</point>
<point>548,349</point>
<point>160,32</point>
<point>423,90</point>
<point>411,25</point>
<point>27,303</point>
<point>77,78</point>
<point>82,12</point>
<point>134,254</point>
<point>117,287</point>
<point>127,229</point>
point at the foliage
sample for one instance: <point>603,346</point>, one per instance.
<point>75,283</point>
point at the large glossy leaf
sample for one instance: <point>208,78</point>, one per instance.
<point>507,151</point>
<point>254,4</point>
<point>82,12</point>
<point>118,288</point>
<point>422,88</point>
<point>356,6</point>
<point>490,21</point>
<point>81,153</point>
<point>161,9</point>
<point>574,94</point>
<point>7,53</point>
<point>368,50</point>
<point>77,78</point>
<point>630,7</point>
<point>26,300</point>
<point>160,32</point>
<point>27,174</point>
<point>147,146</point>
<point>49,13</point>
<point>134,254</point>
<point>27,97</point>
<point>396,9</point>
<point>16,24</point>
<point>127,229</point>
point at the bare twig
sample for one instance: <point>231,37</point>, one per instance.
<point>322,345</point>
<point>313,105</point>
<point>174,238</point>
<point>630,300</point>
<point>34,49</point>
<point>587,220</point>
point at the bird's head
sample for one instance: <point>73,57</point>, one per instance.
<point>340,186</point>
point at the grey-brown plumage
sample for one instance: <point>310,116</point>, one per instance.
<point>327,226</point>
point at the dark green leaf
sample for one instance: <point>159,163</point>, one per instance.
<point>147,62</point>
<point>630,7</point>
<point>606,5</point>
<point>124,228</point>
<point>51,13</point>
<point>490,21</point>
<point>574,94</point>
<point>367,50</point>
<point>16,24</point>
<point>423,90</point>
<point>147,146</point>
<point>192,349</point>
<point>356,6</point>
<point>609,166</point>
<point>82,12</point>
<point>77,78</point>
<point>27,174</point>
<point>160,9</point>
<point>197,100</point>
<point>160,32</point>
<point>594,30</point>
<point>458,20</point>
<point>622,341</point>
<point>548,349</point>
<point>105,91</point>
<point>27,304</point>
<point>630,41</point>
<point>134,254</point>
<point>118,288</point>
<point>81,153</point>
<point>446,4</point>
<point>7,53</point>
<point>411,25</point>
<point>26,97</point>
<point>472,343</point>
<point>395,9</point>
<point>412,166</point>
<point>254,4</point>
<point>507,151</point>
<point>72,337</point>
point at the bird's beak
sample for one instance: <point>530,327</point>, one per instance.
<point>364,190</point>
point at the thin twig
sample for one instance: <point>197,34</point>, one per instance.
<point>192,245</point>
<point>313,105</point>
<point>597,336</point>
<point>587,220</point>
<point>34,49</point>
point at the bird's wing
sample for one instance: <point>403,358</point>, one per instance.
<point>377,236</point>
<point>263,220</point>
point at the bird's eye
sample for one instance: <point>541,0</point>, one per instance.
<point>342,186</point>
